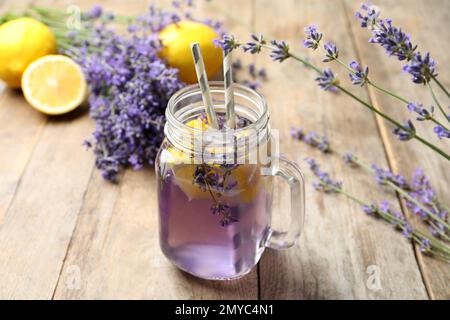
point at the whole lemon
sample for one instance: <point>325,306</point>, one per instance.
<point>22,41</point>
<point>177,38</point>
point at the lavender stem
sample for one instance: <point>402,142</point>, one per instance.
<point>441,86</point>
<point>296,57</point>
<point>388,92</point>
<point>370,82</point>
<point>403,193</point>
<point>389,218</point>
<point>369,106</point>
<point>437,103</point>
<point>397,189</point>
<point>417,203</point>
<point>438,230</point>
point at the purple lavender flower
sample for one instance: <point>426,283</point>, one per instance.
<point>384,176</point>
<point>262,73</point>
<point>327,81</point>
<point>255,73</point>
<point>224,211</point>
<point>424,114</point>
<point>325,183</point>
<point>332,52</point>
<point>313,37</point>
<point>360,76</point>
<point>252,70</point>
<point>384,211</point>
<point>349,158</point>
<point>424,193</point>
<point>254,85</point>
<point>228,43</point>
<point>314,140</point>
<point>441,132</point>
<point>406,132</point>
<point>393,40</point>
<point>370,209</point>
<point>204,177</point>
<point>421,68</point>
<point>255,46</point>
<point>217,182</point>
<point>396,218</point>
<point>422,188</point>
<point>407,230</point>
<point>297,133</point>
<point>237,64</point>
<point>425,245</point>
<point>281,50</point>
<point>311,138</point>
<point>371,17</point>
<point>95,12</point>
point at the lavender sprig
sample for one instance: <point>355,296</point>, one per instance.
<point>324,183</point>
<point>419,195</point>
<point>216,182</point>
<point>313,37</point>
<point>405,132</point>
<point>427,245</point>
<point>442,132</point>
<point>421,68</point>
<point>327,81</point>
<point>447,116</point>
<point>280,51</point>
<point>359,76</point>
<point>396,43</point>
<point>423,113</point>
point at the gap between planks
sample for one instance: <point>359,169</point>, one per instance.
<point>387,146</point>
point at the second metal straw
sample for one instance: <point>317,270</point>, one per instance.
<point>203,83</point>
<point>229,94</point>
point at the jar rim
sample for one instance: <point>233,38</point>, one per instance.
<point>216,85</point>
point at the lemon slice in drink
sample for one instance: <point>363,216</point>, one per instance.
<point>183,167</point>
<point>54,84</point>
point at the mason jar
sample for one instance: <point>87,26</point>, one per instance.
<point>215,187</point>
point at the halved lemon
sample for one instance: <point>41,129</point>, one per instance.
<point>54,84</point>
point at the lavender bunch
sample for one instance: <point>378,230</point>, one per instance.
<point>129,89</point>
<point>421,67</point>
<point>327,80</point>
<point>428,245</point>
<point>130,84</point>
<point>418,194</point>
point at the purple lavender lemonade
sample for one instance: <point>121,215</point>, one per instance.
<point>214,219</point>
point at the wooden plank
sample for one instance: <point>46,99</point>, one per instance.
<point>38,224</point>
<point>19,132</point>
<point>115,251</point>
<point>405,157</point>
<point>339,242</point>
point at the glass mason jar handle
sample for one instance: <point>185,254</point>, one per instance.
<point>290,172</point>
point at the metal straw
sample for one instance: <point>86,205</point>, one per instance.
<point>203,83</point>
<point>229,94</point>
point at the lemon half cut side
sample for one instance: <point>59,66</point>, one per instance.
<point>54,84</point>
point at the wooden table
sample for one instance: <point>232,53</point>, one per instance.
<point>65,233</point>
